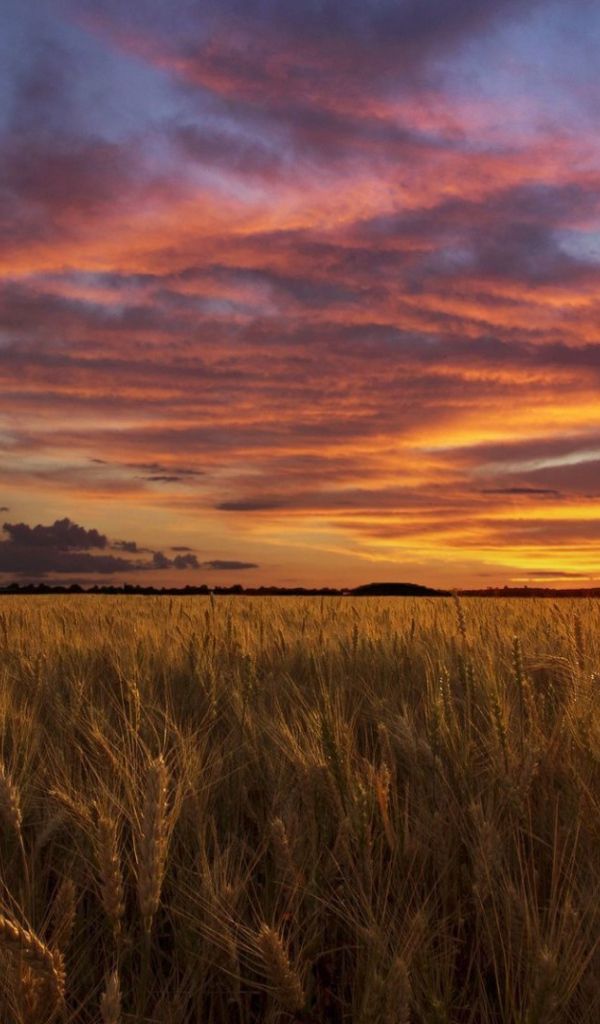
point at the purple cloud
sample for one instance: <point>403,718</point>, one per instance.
<point>65,547</point>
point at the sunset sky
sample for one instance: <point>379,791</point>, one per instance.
<point>300,293</point>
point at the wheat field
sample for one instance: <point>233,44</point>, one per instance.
<point>315,810</point>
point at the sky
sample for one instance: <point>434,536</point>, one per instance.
<point>300,294</point>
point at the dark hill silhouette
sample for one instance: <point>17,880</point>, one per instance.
<point>397,590</point>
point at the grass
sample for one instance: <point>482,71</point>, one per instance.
<point>263,810</point>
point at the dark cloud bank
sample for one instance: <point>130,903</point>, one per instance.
<point>66,547</point>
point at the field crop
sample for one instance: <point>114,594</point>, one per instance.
<point>323,810</point>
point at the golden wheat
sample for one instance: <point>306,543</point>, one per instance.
<point>153,847</point>
<point>109,864</point>
<point>281,974</point>
<point>110,1004</point>
<point>46,964</point>
<point>409,796</point>
<point>63,914</point>
<point>10,804</point>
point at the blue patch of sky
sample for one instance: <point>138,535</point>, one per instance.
<point>105,92</point>
<point>542,63</point>
<point>580,245</point>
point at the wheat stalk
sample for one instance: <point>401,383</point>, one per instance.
<point>396,1008</point>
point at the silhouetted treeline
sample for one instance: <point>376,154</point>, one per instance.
<point>366,590</point>
<point>531,592</point>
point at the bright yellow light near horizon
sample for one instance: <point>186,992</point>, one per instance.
<point>558,512</point>
<point>544,420</point>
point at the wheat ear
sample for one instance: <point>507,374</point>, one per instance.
<point>153,849</point>
<point>280,971</point>
<point>110,872</point>
<point>10,804</point>
<point>46,963</point>
<point>110,1004</point>
<point>63,914</point>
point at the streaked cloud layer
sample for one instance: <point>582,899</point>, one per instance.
<point>312,287</point>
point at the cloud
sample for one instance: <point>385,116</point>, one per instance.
<point>130,546</point>
<point>64,170</point>
<point>164,472</point>
<point>18,559</point>
<point>224,565</point>
<point>541,491</point>
<point>259,504</point>
<point>62,535</point>
<point>266,52</point>
<point>510,233</point>
<point>161,561</point>
<point>65,547</point>
<point>165,479</point>
<point>186,562</point>
<point>554,574</point>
